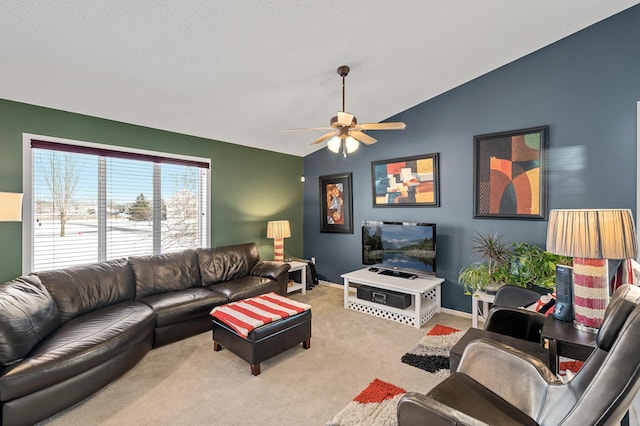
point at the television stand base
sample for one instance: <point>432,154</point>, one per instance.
<point>424,291</point>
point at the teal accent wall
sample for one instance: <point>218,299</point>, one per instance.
<point>248,186</point>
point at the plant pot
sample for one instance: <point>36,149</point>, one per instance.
<point>492,288</point>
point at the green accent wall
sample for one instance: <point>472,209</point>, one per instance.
<point>248,186</point>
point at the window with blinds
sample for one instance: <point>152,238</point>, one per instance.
<point>94,203</point>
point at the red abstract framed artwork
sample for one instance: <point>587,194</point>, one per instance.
<point>406,182</point>
<point>510,174</point>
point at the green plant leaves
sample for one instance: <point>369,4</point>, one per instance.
<point>522,264</point>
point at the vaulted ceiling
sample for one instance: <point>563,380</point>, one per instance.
<point>242,71</point>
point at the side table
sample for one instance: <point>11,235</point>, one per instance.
<point>477,298</point>
<point>566,340</point>
<point>302,285</point>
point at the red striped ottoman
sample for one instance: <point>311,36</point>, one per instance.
<point>261,327</point>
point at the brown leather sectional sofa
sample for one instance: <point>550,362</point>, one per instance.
<point>66,333</point>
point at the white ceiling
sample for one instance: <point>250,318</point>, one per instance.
<point>242,71</point>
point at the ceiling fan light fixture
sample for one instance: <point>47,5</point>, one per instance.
<point>351,144</point>
<point>334,144</point>
<point>347,134</point>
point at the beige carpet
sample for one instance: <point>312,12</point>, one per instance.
<point>187,383</point>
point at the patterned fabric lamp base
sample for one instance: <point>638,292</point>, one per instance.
<point>591,292</point>
<point>278,249</point>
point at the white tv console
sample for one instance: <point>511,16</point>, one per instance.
<point>424,291</point>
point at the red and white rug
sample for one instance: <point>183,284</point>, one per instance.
<point>375,405</point>
<point>432,352</point>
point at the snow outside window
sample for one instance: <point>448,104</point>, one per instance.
<point>93,203</point>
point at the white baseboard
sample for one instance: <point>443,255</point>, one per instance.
<point>455,312</point>
<point>330,284</point>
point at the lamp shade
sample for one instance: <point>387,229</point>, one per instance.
<point>592,233</point>
<point>347,144</point>
<point>334,144</point>
<point>278,229</point>
<point>591,237</point>
<point>10,207</point>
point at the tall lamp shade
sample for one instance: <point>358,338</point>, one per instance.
<point>278,230</point>
<point>591,237</point>
<point>10,207</point>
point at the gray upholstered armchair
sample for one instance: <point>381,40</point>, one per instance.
<point>498,385</point>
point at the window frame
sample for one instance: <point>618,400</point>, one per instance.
<point>27,182</point>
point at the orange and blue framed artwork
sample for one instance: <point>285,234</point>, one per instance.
<point>406,182</point>
<point>336,203</point>
<point>510,174</point>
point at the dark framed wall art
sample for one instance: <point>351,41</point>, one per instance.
<point>336,203</point>
<point>510,174</point>
<point>406,182</point>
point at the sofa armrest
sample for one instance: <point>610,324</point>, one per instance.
<point>523,380</point>
<point>515,322</point>
<point>268,269</point>
<point>416,409</point>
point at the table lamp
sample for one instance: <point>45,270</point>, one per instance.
<point>10,207</point>
<point>591,237</point>
<point>278,230</point>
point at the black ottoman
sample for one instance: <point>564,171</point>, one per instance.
<point>266,341</point>
<point>532,348</point>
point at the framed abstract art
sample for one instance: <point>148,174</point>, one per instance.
<point>406,182</point>
<point>509,174</point>
<point>336,203</point>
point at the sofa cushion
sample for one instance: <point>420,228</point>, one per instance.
<point>77,346</point>
<point>245,287</point>
<point>85,288</point>
<point>183,305</point>
<point>226,263</point>
<point>28,314</point>
<point>165,272</point>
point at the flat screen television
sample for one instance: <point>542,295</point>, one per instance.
<point>400,246</point>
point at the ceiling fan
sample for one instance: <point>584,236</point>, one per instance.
<point>346,133</point>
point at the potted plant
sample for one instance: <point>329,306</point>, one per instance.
<point>532,267</point>
<point>522,264</point>
<point>481,276</point>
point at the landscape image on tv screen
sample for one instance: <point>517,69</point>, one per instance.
<point>399,245</point>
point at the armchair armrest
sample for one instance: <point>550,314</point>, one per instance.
<point>523,380</point>
<point>268,269</point>
<point>515,322</point>
<point>416,409</point>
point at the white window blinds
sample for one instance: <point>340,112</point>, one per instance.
<point>93,203</point>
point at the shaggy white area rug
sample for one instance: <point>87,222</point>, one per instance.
<point>375,405</point>
<point>432,351</point>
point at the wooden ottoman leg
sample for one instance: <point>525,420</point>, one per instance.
<point>255,369</point>
<point>307,343</point>
<point>216,346</point>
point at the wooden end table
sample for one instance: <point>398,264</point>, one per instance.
<point>566,340</point>
<point>302,285</point>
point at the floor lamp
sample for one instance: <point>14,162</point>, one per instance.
<point>10,207</point>
<point>591,237</point>
<point>278,230</point>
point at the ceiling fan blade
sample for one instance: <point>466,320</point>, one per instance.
<point>324,138</point>
<point>308,128</point>
<point>362,137</point>
<point>344,118</point>
<point>383,126</point>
